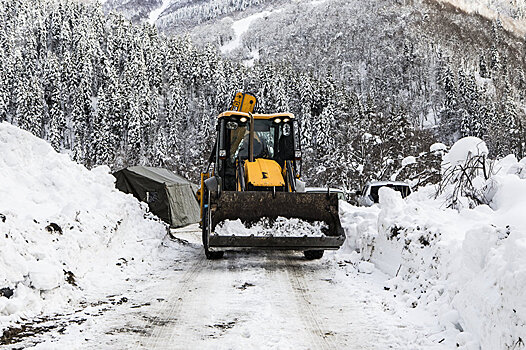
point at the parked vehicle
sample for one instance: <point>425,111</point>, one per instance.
<point>341,195</point>
<point>369,195</point>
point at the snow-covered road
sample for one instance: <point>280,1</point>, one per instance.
<point>259,300</point>
<point>274,300</point>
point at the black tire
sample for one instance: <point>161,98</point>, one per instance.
<point>313,254</point>
<point>209,255</point>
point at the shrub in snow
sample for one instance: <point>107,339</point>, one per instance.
<point>438,148</point>
<point>63,228</point>
<point>420,171</point>
<point>465,171</point>
<point>408,161</point>
<point>464,149</point>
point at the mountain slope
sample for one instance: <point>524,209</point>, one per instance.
<point>363,77</point>
<point>174,15</point>
<point>428,57</point>
<point>177,15</point>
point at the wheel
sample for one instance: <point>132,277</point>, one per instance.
<point>206,233</point>
<point>313,254</point>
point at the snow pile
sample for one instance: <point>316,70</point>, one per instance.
<point>65,232</point>
<point>281,227</point>
<point>464,149</point>
<point>408,161</point>
<point>437,147</point>
<point>465,173</point>
<point>468,267</point>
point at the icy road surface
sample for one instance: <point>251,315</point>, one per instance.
<point>258,300</point>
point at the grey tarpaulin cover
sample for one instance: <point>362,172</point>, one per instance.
<point>169,196</point>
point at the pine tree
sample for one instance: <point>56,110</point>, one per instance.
<point>103,149</point>
<point>55,102</point>
<point>483,67</point>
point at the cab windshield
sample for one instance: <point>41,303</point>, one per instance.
<point>272,140</point>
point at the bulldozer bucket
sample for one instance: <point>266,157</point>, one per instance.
<point>251,206</point>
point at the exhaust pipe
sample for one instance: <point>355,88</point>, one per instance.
<point>251,138</point>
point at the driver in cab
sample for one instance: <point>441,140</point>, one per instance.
<point>260,147</point>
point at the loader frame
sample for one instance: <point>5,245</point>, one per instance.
<point>222,199</point>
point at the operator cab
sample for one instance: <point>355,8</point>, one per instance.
<point>273,139</point>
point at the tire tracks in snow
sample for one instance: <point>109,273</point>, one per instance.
<point>300,288</point>
<point>172,308</point>
<point>290,277</point>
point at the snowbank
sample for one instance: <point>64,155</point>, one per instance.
<point>65,232</point>
<point>437,147</point>
<point>468,267</point>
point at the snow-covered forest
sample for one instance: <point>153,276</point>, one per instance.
<point>367,95</point>
<point>430,91</point>
<point>456,73</point>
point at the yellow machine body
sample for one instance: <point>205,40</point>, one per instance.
<point>243,103</point>
<point>263,172</point>
<point>262,186</point>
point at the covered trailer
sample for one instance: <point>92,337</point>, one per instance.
<point>169,196</point>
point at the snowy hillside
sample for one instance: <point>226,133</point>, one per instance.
<point>67,235</point>
<point>174,15</point>
<point>441,62</point>
<point>171,15</point>
<point>512,13</point>
<point>136,10</point>
<point>123,94</point>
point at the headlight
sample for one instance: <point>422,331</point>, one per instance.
<point>286,129</point>
<point>231,125</point>
<point>297,154</point>
<point>242,119</point>
<point>277,120</point>
<point>222,153</point>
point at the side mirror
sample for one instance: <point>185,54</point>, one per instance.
<point>212,184</point>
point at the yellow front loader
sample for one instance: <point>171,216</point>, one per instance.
<point>252,175</point>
